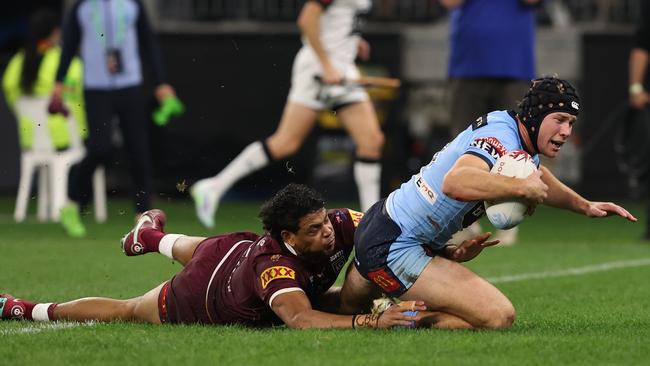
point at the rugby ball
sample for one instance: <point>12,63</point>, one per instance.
<point>506,214</point>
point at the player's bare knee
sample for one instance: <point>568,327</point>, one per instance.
<point>141,310</point>
<point>127,309</point>
<point>379,140</point>
<point>291,147</point>
<point>281,148</point>
<point>372,145</point>
<point>501,317</point>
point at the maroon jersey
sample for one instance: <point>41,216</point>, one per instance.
<point>234,278</point>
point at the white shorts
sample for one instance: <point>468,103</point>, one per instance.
<point>308,91</point>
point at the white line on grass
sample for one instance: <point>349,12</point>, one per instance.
<point>44,327</point>
<point>577,271</point>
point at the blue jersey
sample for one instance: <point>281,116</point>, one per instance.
<point>492,38</point>
<point>420,208</point>
<point>119,27</point>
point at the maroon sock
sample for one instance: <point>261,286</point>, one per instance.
<point>151,239</point>
<point>50,310</point>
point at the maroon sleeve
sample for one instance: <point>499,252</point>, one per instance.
<point>345,222</point>
<point>277,274</point>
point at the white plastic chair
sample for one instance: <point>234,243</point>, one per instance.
<point>52,166</point>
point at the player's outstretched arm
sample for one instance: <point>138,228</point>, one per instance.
<point>603,209</point>
<point>561,196</point>
<point>296,312</point>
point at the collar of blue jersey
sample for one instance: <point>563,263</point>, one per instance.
<point>524,136</point>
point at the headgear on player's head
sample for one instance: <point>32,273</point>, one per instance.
<point>546,95</point>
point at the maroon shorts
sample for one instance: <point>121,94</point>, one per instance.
<point>183,298</point>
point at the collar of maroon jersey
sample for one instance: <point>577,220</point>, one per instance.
<point>290,248</point>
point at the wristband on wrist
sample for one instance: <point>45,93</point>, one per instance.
<point>636,88</point>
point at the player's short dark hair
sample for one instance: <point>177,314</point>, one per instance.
<point>285,209</point>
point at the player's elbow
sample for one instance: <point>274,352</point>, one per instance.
<point>301,22</point>
<point>296,325</point>
<point>309,16</point>
<point>305,18</point>
<point>452,187</point>
<point>298,321</point>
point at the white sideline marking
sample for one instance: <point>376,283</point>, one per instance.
<point>577,271</point>
<point>45,327</point>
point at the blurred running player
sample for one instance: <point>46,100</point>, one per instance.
<point>330,45</point>
<point>285,275</point>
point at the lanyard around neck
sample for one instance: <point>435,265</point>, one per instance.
<point>103,22</point>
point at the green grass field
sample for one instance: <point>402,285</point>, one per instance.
<point>580,287</point>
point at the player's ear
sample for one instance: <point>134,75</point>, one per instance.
<point>287,237</point>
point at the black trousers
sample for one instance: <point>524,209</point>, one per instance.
<point>102,106</point>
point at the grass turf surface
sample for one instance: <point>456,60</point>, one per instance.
<point>599,317</point>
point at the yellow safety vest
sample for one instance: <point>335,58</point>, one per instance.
<point>73,97</point>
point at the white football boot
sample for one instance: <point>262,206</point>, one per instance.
<point>206,200</point>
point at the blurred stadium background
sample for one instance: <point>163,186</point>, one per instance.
<point>230,62</point>
<point>580,287</point>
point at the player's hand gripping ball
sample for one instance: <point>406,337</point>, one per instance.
<point>506,214</point>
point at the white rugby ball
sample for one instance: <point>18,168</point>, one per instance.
<point>506,214</point>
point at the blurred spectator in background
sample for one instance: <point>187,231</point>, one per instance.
<point>639,59</point>
<point>492,60</point>
<point>331,42</point>
<point>32,71</point>
<point>112,37</point>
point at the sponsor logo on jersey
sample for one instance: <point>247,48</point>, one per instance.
<point>384,280</point>
<point>425,190</point>
<point>336,256</point>
<point>337,261</point>
<point>480,122</point>
<point>491,145</point>
<point>276,272</point>
<point>356,217</point>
